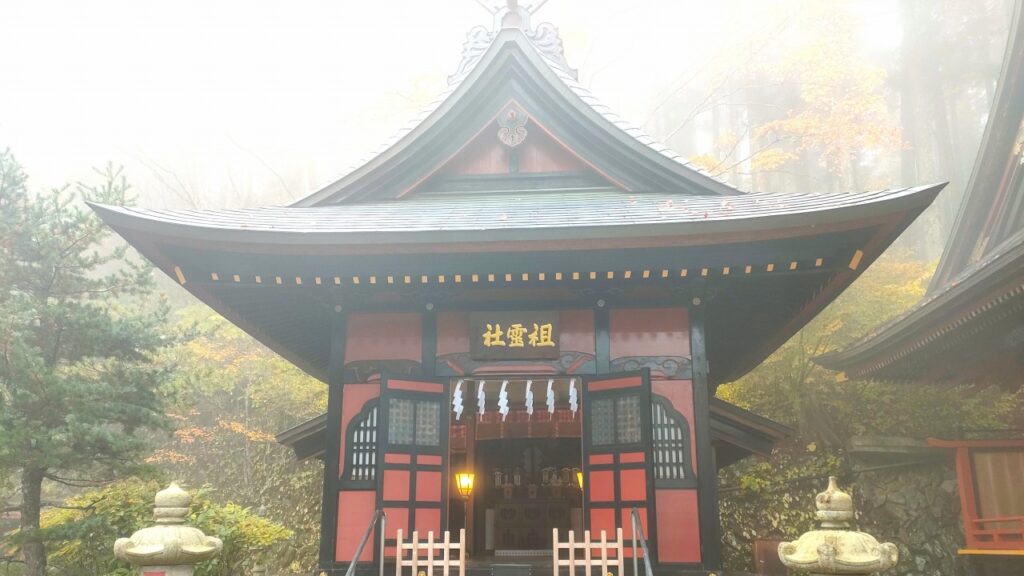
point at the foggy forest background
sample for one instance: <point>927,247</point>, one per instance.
<point>238,105</point>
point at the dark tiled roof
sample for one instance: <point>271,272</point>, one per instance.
<point>608,211</point>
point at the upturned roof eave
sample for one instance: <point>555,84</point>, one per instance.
<point>929,316</point>
<point>175,227</point>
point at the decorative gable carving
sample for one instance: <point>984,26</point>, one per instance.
<point>544,38</point>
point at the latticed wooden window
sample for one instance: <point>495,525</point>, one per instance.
<point>401,421</point>
<point>602,422</point>
<point>414,422</point>
<point>615,421</point>
<point>671,445</point>
<point>428,419</point>
<point>627,419</point>
<point>361,448</point>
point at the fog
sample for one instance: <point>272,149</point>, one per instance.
<point>214,92</point>
<point>242,103</point>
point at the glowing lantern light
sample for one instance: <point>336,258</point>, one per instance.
<point>464,483</point>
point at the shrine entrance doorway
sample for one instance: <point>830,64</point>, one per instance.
<point>521,438</point>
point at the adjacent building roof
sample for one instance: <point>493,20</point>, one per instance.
<point>970,324</point>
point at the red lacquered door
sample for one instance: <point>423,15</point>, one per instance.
<point>412,463</point>
<point>617,468</point>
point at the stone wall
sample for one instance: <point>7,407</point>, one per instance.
<point>918,509</point>
<point>910,500</point>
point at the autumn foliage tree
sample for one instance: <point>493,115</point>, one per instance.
<point>770,498</point>
<point>83,530</point>
<point>814,109</point>
<point>79,339</point>
<point>232,395</point>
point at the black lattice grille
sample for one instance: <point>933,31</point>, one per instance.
<point>362,447</point>
<point>671,435</point>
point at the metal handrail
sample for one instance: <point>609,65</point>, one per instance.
<point>377,515</point>
<point>638,528</point>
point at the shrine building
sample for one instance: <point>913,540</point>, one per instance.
<point>524,287</point>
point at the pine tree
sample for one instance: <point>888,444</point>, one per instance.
<point>80,330</point>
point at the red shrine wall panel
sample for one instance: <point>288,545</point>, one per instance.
<point>452,333</point>
<point>577,331</point>
<point>384,336</point>
<point>355,505</point>
<point>355,510</point>
<point>678,518</point>
<point>656,338</point>
<point>678,526</point>
<point>659,339</point>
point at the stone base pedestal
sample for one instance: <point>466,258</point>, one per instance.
<point>165,570</point>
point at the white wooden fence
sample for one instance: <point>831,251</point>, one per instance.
<point>587,546</point>
<point>424,555</point>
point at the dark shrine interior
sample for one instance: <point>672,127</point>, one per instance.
<point>523,488</point>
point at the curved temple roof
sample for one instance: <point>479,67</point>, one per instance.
<point>612,209</point>
<point>602,214</point>
<point>772,261</point>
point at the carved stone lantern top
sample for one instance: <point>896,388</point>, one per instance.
<point>170,542</point>
<point>836,548</point>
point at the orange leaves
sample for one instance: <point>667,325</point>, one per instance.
<point>251,434</point>
<point>167,456</point>
<point>771,159</point>
<point>706,162</point>
<point>191,434</point>
<point>842,109</point>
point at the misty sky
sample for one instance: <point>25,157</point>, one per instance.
<point>245,102</point>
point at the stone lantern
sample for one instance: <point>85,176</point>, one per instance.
<point>170,548</point>
<point>835,548</point>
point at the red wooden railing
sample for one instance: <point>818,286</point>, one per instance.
<point>984,535</point>
<point>1010,535</point>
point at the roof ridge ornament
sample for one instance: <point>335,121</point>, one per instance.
<point>514,15</point>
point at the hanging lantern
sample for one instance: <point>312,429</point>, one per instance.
<point>579,479</point>
<point>464,484</point>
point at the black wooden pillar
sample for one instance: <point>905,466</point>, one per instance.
<point>707,473</point>
<point>335,377</point>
